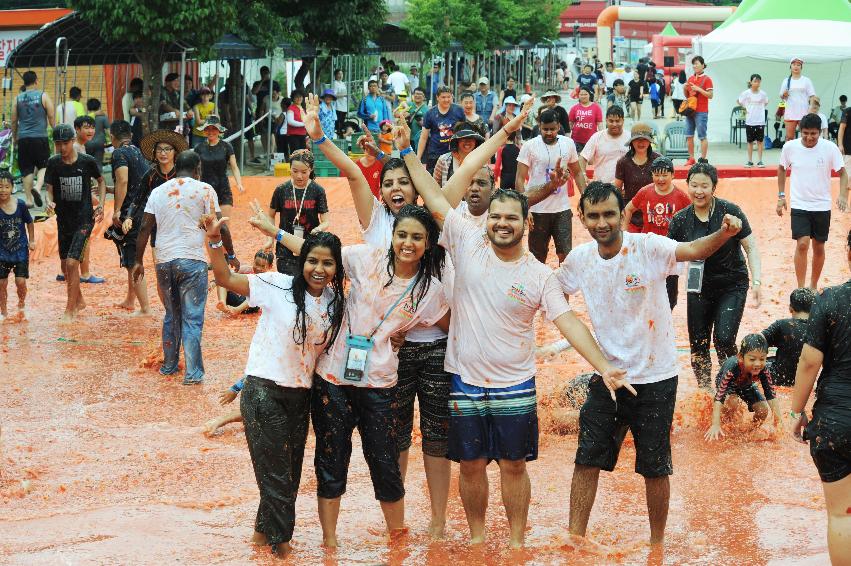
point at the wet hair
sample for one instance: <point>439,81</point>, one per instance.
<point>306,157</point>
<point>187,162</point>
<point>810,122</point>
<point>503,195</point>
<point>598,191</point>
<point>703,168</point>
<point>121,129</point>
<point>756,76</point>
<point>801,300</point>
<point>80,120</point>
<point>615,111</point>
<point>6,175</point>
<point>617,82</point>
<point>268,257</point>
<point>548,116</point>
<point>75,92</point>
<point>337,304</point>
<point>29,78</point>
<point>700,59</point>
<point>443,90</point>
<point>390,165</point>
<point>431,264</point>
<point>753,343</point>
<point>93,105</point>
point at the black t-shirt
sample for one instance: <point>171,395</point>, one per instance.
<point>286,201</point>
<point>787,335</point>
<point>829,331</point>
<point>726,267</point>
<point>131,157</point>
<point>846,139</point>
<point>214,164</point>
<point>510,152</point>
<point>636,88</point>
<point>72,189</point>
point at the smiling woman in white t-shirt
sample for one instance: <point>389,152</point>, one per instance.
<point>797,90</point>
<point>300,318</point>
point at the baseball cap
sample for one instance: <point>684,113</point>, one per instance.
<point>484,81</point>
<point>63,132</point>
<point>793,59</point>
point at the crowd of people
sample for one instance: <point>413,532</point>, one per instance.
<point>439,302</point>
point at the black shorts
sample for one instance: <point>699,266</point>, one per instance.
<point>336,410</point>
<point>421,375</point>
<point>829,434</point>
<point>557,225</point>
<point>750,395</point>
<point>72,242</point>
<point>235,299</point>
<point>33,154</point>
<point>21,269</point>
<point>810,223</point>
<point>755,133</point>
<point>224,193</point>
<point>127,248</point>
<point>603,425</point>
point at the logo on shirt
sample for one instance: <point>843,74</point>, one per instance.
<point>517,292</point>
<point>661,213</point>
<point>409,309</point>
<point>633,282</point>
<point>71,188</point>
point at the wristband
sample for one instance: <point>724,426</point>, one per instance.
<point>320,141</point>
<point>237,387</point>
<point>406,151</point>
<point>214,245</point>
<point>795,415</point>
<point>781,195</point>
<point>230,257</point>
<point>381,155</point>
<point>279,237</point>
<point>756,283</point>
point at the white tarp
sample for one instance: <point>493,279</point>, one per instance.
<point>765,47</point>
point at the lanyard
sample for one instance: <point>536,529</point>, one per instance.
<point>297,218</point>
<point>389,311</point>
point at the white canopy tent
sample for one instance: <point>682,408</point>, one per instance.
<point>762,37</point>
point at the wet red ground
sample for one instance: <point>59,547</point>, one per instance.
<point>103,460</point>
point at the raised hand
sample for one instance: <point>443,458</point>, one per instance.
<point>558,176</point>
<point>367,143</point>
<point>402,134</point>
<point>731,225</point>
<point>311,117</point>
<point>213,226</point>
<point>261,220</point>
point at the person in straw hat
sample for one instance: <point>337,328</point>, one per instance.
<point>552,100</point>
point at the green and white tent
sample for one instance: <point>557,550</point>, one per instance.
<point>762,36</point>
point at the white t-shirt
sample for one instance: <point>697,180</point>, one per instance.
<point>379,235</point>
<point>464,210</point>
<point>126,105</point>
<point>602,152</point>
<point>811,167</point>
<point>610,78</point>
<point>754,104</point>
<point>541,160</point>
<point>798,103</point>
<point>368,304</point>
<point>399,80</point>
<point>340,91</point>
<point>628,303</point>
<point>273,353</point>
<point>178,205</point>
<point>823,120</point>
<point>449,270</point>
<point>491,331</point>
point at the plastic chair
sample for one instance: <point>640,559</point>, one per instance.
<point>737,125</point>
<point>674,143</point>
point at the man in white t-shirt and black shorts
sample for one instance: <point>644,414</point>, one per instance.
<point>621,276</point>
<point>551,218</point>
<point>811,159</point>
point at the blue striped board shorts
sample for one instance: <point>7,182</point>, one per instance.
<point>494,423</point>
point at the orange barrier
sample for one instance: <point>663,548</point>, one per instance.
<point>46,244</point>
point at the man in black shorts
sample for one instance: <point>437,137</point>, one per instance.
<point>828,347</point>
<point>621,276</point>
<point>813,159</point>
<point>68,181</point>
<point>128,168</point>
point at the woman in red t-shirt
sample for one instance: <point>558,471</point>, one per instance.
<point>585,119</point>
<point>296,134</point>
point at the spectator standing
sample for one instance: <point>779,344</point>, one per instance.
<point>754,101</point>
<point>398,80</point>
<point>438,127</point>
<point>414,78</point>
<point>97,145</point>
<point>551,100</point>
<point>296,133</point>
<point>637,90</point>
<point>486,103</point>
<point>605,148</point>
<point>812,159</point>
<point>588,80</point>
<point>678,93</point>
<point>585,119</point>
<point>177,208</point>
<point>433,81</point>
<point>31,114</point>
<point>72,107</point>
<point>136,85</point>
<point>698,85</point>
<point>836,116</point>
<point>171,105</point>
<point>202,110</point>
<point>373,108</point>
<point>797,90</point>
<point>473,120</point>
<point>327,114</point>
<point>417,108</point>
<point>508,91</point>
<point>341,91</point>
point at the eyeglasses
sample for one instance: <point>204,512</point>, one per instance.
<point>164,149</point>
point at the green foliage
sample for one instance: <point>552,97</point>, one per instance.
<point>339,26</point>
<point>482,24</point>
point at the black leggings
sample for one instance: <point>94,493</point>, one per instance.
<point>276,430</point>
<point>715,312</point>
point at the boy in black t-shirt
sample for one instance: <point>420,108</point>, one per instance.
<point>68,181</point>
<point>787,335</point>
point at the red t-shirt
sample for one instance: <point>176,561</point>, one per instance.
<point>584,120</point>
<point>704,82</point>
<point>657,209</point>
<point>373,175</point>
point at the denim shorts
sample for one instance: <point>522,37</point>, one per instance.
<point>698,122</point>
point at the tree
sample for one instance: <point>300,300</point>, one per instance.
<point>486,24</point>
<point>152,26</point>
